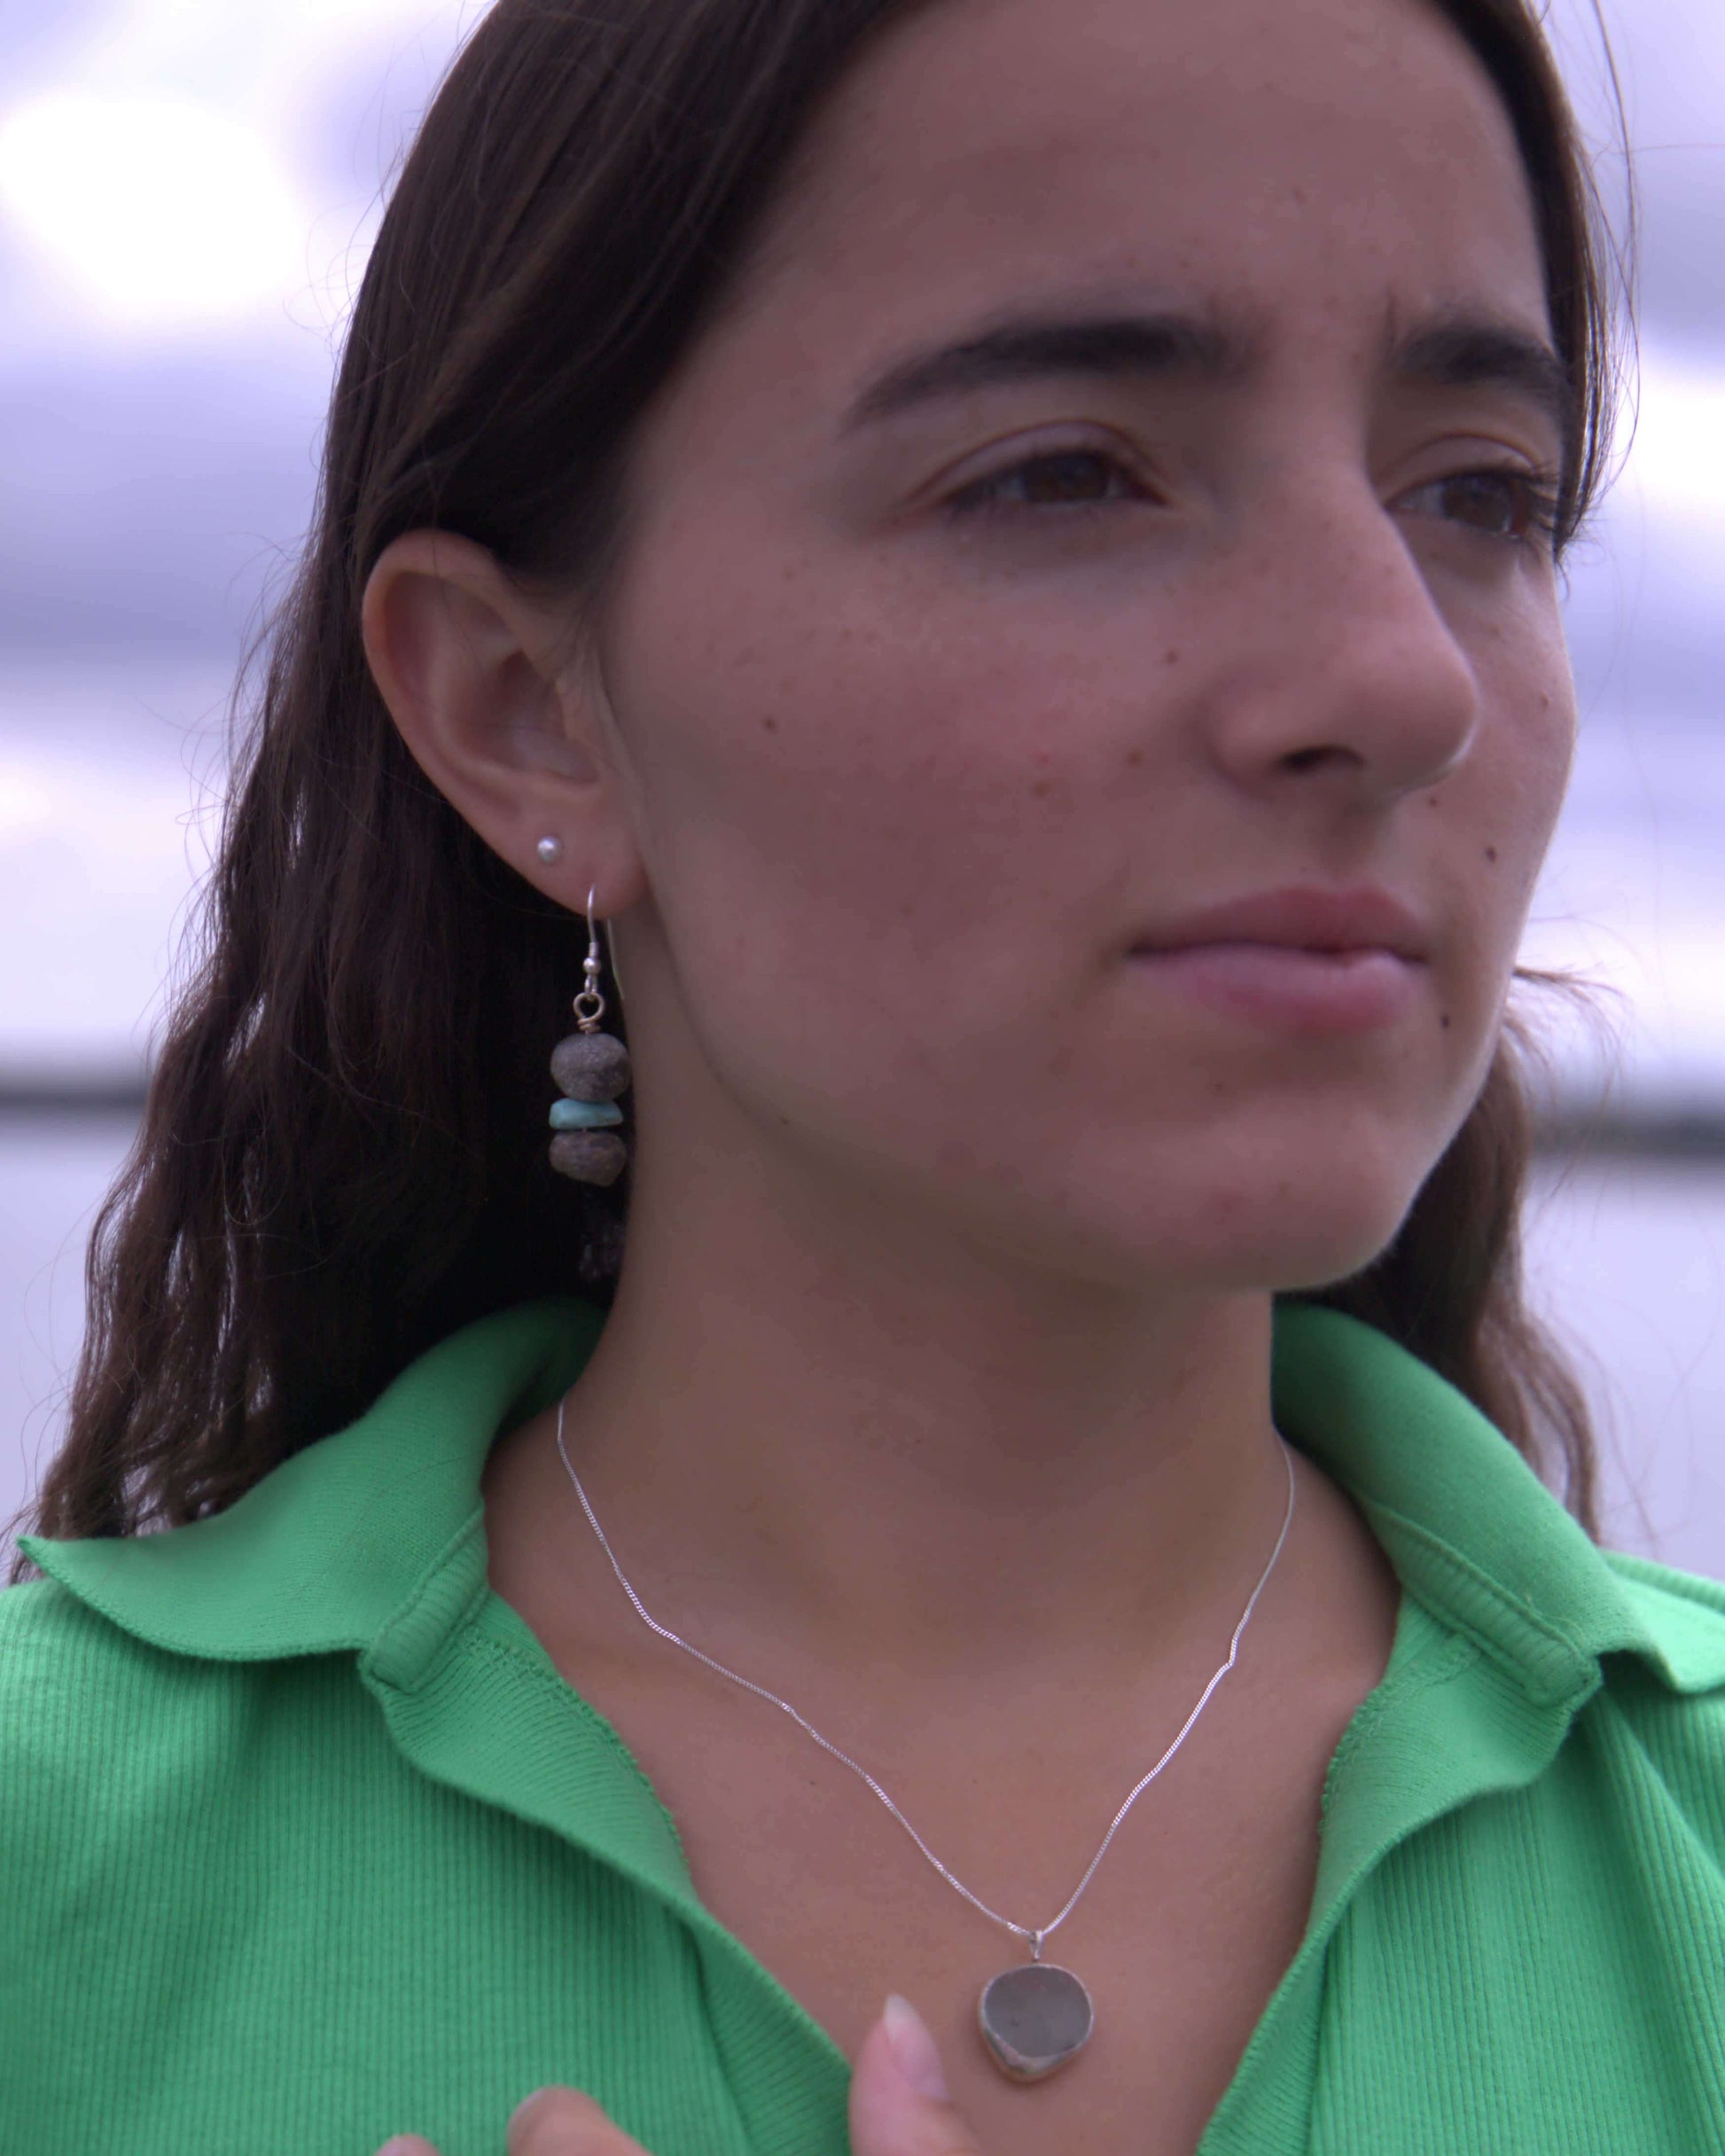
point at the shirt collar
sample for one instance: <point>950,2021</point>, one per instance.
<point>339,1542</point>
<point>326,1550</point>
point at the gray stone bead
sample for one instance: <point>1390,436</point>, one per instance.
<point>1034,2018</point>
<point>589,1156</point>
<point>591,1066</point>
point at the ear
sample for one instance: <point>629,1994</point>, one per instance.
<point>521,746</point>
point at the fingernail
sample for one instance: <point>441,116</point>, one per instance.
<point>518,2116</point>
<point>914,2052</point>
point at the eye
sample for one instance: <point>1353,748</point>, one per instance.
<point>1503,503</point>
<point>1061,479</point>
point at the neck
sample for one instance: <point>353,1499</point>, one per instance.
<point>800,1427</point>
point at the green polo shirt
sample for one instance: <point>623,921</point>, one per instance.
<point>306,1842</point>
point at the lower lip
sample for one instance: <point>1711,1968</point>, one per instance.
<point>1299,991</point>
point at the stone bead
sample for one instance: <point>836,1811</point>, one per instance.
<point>589,1156</point>
<point>591,1066</point>
<point>584,1114</point>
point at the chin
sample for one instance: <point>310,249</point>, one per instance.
<point>1296,1219</point>
<point>1298,1263</point>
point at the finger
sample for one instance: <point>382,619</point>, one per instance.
<point>564,2122</point>
<point>899,2105</point>
<point>406,2145</point>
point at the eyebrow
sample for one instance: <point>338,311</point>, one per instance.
<point>1452,351</point>
<point>1029,348</point>
<point>1462,352</point>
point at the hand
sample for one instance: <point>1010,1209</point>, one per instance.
<point>898,2093</point>
<point>898,2106</point>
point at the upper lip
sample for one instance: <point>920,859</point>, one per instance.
<point>1303,918</point>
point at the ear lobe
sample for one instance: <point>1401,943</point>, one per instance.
<point>463,659</point>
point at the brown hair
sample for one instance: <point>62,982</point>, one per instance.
<point>342,1154</point>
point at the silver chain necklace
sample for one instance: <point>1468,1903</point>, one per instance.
<point>1036,2017</point>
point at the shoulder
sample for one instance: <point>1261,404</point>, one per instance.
<point>1682,1617</point>
<point>65,1670</point>
<point>105,1741</point>
<point>63,1663</point>
<point>1659,1715</point>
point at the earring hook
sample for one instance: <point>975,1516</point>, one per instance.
<point>590,1004</point>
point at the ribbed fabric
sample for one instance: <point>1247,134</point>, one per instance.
<point>306,1842</point>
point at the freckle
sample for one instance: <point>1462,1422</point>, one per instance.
<point>770,725</point>
<point>1491,853</point>
<point>1134,756</point>
<point>1171,659</point>
<point>1444,1021</point>
<point>1042,788</point>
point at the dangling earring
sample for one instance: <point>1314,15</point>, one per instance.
<point>592,1068</point>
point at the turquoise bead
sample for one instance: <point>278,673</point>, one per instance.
<point>585,1114</point>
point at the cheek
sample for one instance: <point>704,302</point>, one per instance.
<point>1488,826</point>
<point>1521,773</point>
<point>853,794</point>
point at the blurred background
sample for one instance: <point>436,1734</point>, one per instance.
<point>188,189</point>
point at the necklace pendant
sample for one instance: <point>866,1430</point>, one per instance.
<point>1033,2020</point>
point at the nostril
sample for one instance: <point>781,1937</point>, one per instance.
<point>1309,759</point>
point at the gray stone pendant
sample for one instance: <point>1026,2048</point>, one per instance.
<point>1033,2020</point>
<point>592,1068</point>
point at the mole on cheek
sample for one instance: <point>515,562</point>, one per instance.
<point>1491,854</point>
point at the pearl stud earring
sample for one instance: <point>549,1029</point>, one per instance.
<point>549,849</point>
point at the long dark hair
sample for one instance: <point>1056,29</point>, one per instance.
<point>342,1154</point>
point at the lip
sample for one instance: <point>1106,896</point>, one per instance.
<point>1306,961</point>
<point>1302,918</point>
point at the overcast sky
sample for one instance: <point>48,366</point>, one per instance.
<point>187,191</point>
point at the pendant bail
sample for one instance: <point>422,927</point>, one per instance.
<point>1036,1946</point>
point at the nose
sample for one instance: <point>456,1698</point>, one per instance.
<point>1340,671</point>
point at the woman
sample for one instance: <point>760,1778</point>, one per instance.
<point>1007,549</point>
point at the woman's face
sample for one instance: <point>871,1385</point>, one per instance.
<point>1074,522</point>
